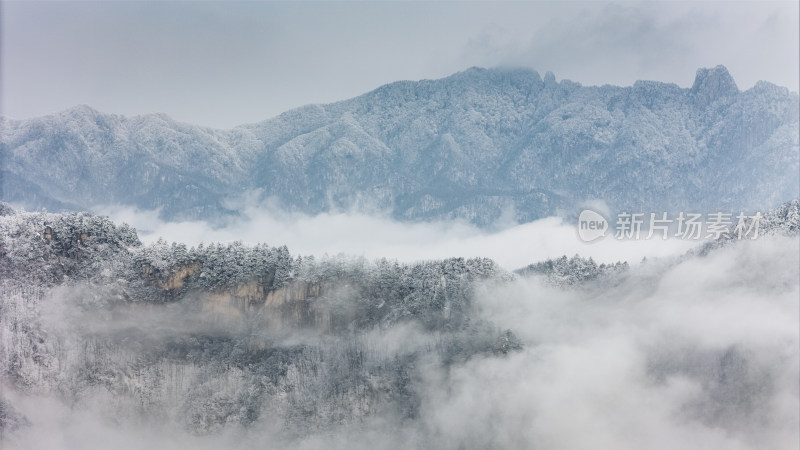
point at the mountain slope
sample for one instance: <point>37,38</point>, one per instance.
<point>470,146</point>
<point>252,347</point>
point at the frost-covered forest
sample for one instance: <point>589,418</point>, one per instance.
<point>223,335</point>
<point>235,345</point>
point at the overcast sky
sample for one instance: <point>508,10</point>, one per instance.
<point>226,63</point>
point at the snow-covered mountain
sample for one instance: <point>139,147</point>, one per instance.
<point>474,145</point>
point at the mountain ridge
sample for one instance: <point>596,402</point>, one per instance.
<point>761,84</point>
<point>469,146</point>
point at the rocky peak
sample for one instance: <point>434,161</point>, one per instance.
<point>711,84</point>
<point>550,79</point>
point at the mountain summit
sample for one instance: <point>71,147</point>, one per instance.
<point>475,145</point>
<point>712,84</point>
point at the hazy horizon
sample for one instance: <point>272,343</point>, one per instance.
<point>223,64</point>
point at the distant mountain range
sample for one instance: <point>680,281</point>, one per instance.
<point>477,145</point>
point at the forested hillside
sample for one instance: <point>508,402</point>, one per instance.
<point>227,336</point>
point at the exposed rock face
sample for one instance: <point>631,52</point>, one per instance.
<point>175,281</point>
<point>711,85</point>
<point>296,304</point>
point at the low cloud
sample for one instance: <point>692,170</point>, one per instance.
<point>665,41</point>
<point>378,236</point>
<point>699,354</point>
